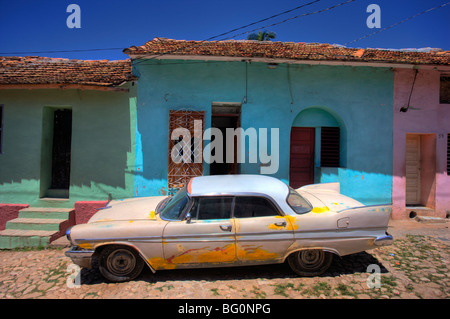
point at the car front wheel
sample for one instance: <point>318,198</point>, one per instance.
<point>120,263</point>
<point>310,262</point>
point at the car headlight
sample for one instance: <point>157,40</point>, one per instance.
<point>68,236</point>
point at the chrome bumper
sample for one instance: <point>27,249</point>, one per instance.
<point>384,240</point>
<point>80,257</point>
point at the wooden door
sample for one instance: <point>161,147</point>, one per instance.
<point>412,169</point>
<point>301,167</point>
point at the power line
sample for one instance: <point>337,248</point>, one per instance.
<point>296,17</point>
<point>213,37</point>
<point>61,51</point>
<point>242,33</point>
<point>265,19</point>
<point>396,24</point>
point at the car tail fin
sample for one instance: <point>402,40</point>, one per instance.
<point>333,187</point>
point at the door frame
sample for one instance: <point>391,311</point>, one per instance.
<point>312,138</point>
<point>47,135</point>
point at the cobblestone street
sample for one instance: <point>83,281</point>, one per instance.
<point>416,266</point>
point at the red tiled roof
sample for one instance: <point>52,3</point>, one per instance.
<point>286,50</point>
<point>40,70</point>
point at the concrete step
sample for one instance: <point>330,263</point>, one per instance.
<point>17,238</point>
<point>36,226</point>
<point>45,213</point>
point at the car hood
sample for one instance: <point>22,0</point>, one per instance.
<point>128,209</point>
<point>327,196</point>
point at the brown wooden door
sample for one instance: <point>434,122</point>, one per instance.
<point>301,167</point>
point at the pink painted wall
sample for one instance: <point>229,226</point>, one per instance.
<point>84,210</point>
<point>428,117</point>
<point>8,212</point>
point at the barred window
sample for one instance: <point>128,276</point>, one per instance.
<point>444,95</point>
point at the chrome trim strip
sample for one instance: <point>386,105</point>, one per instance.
<point>84,240</point>
<point>365,206</point>
<point>271,233</point>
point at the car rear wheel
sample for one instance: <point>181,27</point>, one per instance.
<point>120,263</point>
<point>310,262</point>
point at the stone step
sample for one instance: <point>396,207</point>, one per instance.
<point>35,227</point>
<point>45,213</point>
<point>34,224</point>
<point>17,238</point>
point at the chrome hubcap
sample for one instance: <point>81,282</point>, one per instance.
<point>311,258</point>
<point>121,262</point>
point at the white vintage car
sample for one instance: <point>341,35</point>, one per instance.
<point>229,220</point>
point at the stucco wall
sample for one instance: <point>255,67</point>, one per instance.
<point>425,116</point>
<point>102,156</point>
<point>360,97</point>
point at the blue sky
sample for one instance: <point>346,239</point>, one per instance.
<point>40,26</point>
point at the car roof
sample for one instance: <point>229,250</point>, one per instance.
<point>238,185</point>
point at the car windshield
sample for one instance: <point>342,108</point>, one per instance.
<point>297,202</point>
<point>173,207</point>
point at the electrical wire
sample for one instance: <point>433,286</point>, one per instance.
<point>213,37</point>
<point>396,24</point>
<point>242,33</point>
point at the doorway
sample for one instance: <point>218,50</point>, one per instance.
<point>225,115</point>
<point>301,164</point>
<point>56,153</point>
<point>420,170</point>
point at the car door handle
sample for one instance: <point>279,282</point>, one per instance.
<point>225,227</point>
<point>281,224</point>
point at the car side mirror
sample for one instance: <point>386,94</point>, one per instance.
<point>188,218</point>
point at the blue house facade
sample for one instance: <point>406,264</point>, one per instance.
<point>314,121</point>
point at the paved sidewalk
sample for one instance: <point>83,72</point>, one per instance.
<point>416,266</point>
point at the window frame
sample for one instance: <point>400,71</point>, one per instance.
<point>192,200</point>
<point>267,198</point>
<point>326,133</point>
<point>441,80</point>
<point>307,201</point>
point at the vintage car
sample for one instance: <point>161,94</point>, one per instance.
<point>229,220</point>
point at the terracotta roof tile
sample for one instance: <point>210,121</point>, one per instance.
<point>286,50</point>
<point>41,70</point>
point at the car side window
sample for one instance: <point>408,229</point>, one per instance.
<point>215,207</point>
<point>251,206</point>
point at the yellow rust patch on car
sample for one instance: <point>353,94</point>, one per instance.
<point>319,210</point>
<point>86,246</point>
<point>290,223</point>
<point>254,253</point>
<point>160,263</point>
<point>196,256</point>
<point>205,255</point>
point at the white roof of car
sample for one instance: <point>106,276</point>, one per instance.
<point>238,185</point>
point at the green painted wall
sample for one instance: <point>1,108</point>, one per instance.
<point>103,144</point>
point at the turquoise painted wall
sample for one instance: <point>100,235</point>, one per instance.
<point>103,144</point>
<point>357,98</point>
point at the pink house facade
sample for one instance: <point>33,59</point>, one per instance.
<point>421,119</point>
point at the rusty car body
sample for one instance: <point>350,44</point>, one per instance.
<point>229,220</point>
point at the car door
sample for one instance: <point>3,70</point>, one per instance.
<point>263,235</point>
<point>207,238</point>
